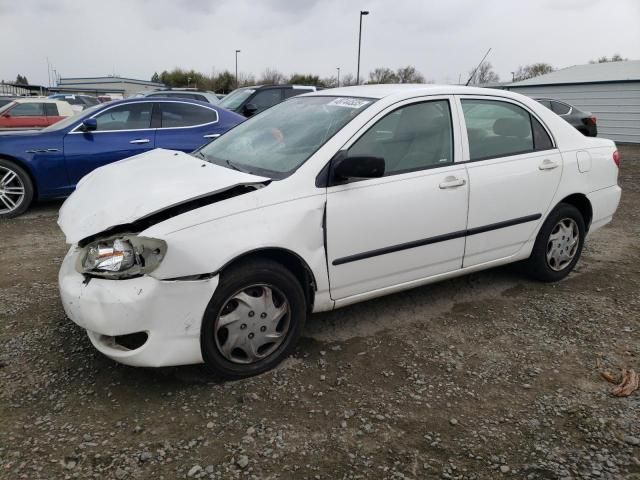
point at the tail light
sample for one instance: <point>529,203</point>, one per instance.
<point>593,119</point>
<point>616,158</point>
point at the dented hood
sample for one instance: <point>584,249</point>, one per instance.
<point>134,188</point>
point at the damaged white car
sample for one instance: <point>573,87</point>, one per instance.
<point>325,200</point>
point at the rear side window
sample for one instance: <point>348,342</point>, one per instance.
<point>560,108</point>
<point>267,98</point>
<point>174,114</point>
<point>27,110</point>
<point>499,129</point>
<point>413,137</point>
<point>51,109</point>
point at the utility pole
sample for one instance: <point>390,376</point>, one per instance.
<point>362,12</point>
<point>237,52</point>
<point>338,68</point>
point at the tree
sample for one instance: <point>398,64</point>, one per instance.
<point>348,79</point>
<point>383,75</point>
<point>533,70</point>
<point>329,82</point>
<point>305,79</point>
<point>21,80</point>
<point>272,76</point>
<point>484,74</point>
<point>155,77</point>
<point>224,82</point>
<point>409,74</point>
<point>616,57</point>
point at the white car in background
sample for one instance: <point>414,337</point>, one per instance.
<point>325,200</point>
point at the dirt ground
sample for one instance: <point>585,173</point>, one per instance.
<point>487,376</point>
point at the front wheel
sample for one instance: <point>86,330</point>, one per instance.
<point>254,319</point>
<point>16,190</point>
<point>558,245</point>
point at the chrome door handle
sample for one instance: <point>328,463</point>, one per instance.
<point>452,182</point>
<point>140,140</point>
<point>548,165</point>
<point>212,135</point>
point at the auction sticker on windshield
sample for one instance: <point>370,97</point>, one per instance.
<point>349,102</point>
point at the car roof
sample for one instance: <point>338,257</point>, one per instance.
<point>37,100</point>
<point>409,90</point>
<point>159,99</point>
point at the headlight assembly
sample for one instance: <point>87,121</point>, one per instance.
<point>121,256</point>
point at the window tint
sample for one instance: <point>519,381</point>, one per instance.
<point>175,114</point>
<point>560,108</point>
<point>546,103</point>
<point>541,139</point>
<point>90,101</point>
<point>51,109</point>
<point>410,138</point>
<point>496,129</point>
<point>292,92</point>
<point>132,116</point>
<point>267,98</point>
<point>27,110</point>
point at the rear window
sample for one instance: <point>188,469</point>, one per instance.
<point>560,108</point>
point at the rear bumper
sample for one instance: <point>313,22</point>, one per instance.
<point>604,204</point>
<point>169,312</point>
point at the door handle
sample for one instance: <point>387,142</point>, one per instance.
<point>212,135</point>
<point>548,165</point>
<point>452,182</point>
<point>140,140</point>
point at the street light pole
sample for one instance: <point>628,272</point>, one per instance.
<point>237,52</point>
<point>362,12</point>
<point>338,68</point>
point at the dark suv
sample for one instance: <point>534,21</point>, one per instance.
<point>584,122</point>
<point>248,101</point>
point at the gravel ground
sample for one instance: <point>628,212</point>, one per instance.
<point>487,376</point>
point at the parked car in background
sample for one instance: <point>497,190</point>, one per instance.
<point>325,200</point>
<point>202,95</point>
<point>4,99</point>
<point>33,113</point>
<point>50,162</point>
<point>248,101</point>
<point>77,102</point>
<point>584,122</point>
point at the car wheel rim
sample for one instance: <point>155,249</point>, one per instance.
<point>11,190</point>
<point>563,243</point>
<point>252,324</point>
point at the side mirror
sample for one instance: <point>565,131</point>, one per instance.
<point>89,125</point>
<point>250,109</point>
<point>357,166</point>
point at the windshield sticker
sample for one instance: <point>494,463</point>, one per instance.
<point>349,102</point>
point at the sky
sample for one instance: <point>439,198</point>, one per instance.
<point>444,40</point>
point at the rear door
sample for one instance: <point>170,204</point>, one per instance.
<point>123,130</point>
<point>514,170</point>
<point>185,126</point>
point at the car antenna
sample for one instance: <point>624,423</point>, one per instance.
<point>476,69</point>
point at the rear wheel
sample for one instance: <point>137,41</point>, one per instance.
<point>254,319</point>
<point>16,190</point>
<point>558,245</point>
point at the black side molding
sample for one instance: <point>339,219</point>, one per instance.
<point>436,239</point>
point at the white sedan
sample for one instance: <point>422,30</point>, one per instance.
<point>325,200</point>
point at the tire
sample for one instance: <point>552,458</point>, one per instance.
<point>242,313</point>
<point>16,190</point>
<point>553,259</point>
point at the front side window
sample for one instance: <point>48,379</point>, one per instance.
<point>276,142</point>
<point>236,98</point>
<point>413,137</point>
<point>267,98</point>
<point>498,129</point>
<point>560,108</point>
<point>27,110</point>
<point>175,114</point>
<point>131,116</point>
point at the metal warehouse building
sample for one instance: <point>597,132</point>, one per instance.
<point>105,85</point>
<point>611,91</point>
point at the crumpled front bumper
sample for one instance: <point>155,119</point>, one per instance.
<point>169,311</point>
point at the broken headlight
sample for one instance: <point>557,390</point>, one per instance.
<point>122,256</point>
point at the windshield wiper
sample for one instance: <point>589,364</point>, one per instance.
<point>199,154</point>
<point>235,166</point>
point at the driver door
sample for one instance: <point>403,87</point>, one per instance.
<point>123,131</point>
<point>409,224</point>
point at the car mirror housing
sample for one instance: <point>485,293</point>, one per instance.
<point>89,125</point>
<point>250,109</point>
<point>358,166</point>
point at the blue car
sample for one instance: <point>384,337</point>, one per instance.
<point>49,163</point>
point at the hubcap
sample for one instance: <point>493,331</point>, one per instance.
<point>11,190</point>
<point>252,324</point>
<point>563,244</point>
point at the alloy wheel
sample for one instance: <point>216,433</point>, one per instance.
<point>12,190</point>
